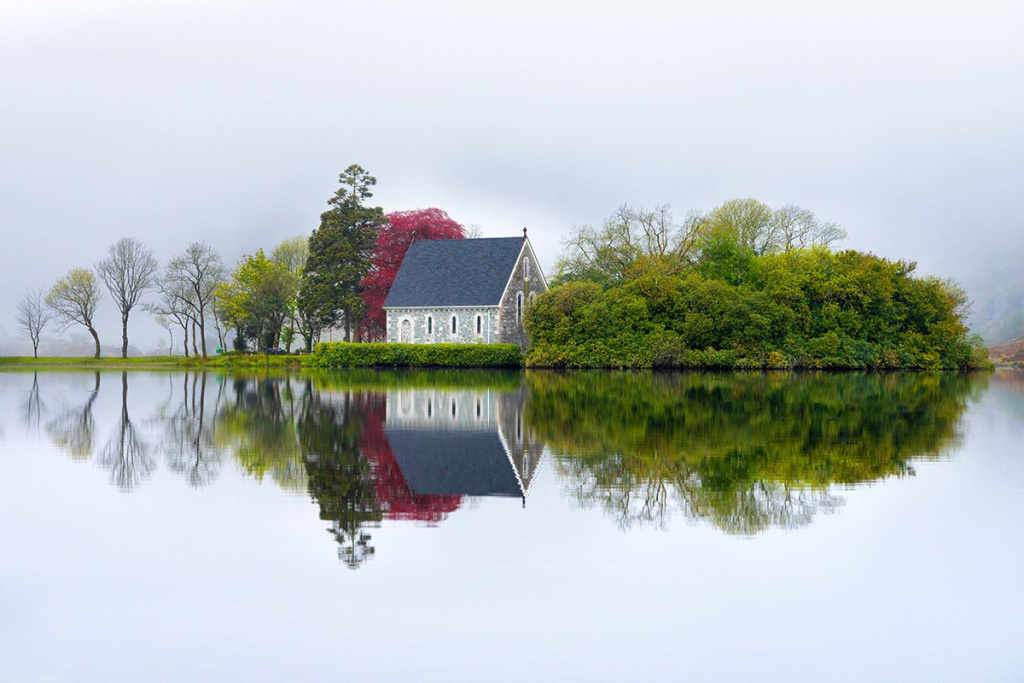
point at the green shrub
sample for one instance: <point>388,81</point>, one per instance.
<point>347,355</point>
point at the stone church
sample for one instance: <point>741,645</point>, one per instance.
<point>464,291</point>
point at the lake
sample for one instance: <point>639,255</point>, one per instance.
<point>457,525</point>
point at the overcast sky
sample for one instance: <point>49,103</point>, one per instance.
<point>229,122</point>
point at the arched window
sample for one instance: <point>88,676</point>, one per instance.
<point>479,324</point>
<point>455,324</point>
<point>526,268</point>
<point>405,333</point>
<point>430,324</point>
<point>533,297</point>
<point>519,306</point>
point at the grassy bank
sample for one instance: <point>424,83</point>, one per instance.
<point>246,360</point>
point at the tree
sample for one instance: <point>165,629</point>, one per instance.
<point>757,227</point>
<point>172,305</point>
<point>257,299</point>
<point>628,242</point>
<point>128,271</point>
<point>33,317</point>
<point>798,228</point>
<point>199,270</point>
<point>394,239</point>
<point>74,299</point>
<point>339,256</point>
<point>292,255</point>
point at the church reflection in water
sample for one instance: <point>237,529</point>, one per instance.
<point>462,442</point>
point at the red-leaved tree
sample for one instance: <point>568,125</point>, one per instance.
<point>393,240</point>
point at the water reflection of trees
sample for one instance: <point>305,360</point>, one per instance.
<point>126,454</point>
<point>73,429</point>
<point>746,452</point>
<point>186,427</point>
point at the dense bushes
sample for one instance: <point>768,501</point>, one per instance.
<point>345,355</point>
<point>801,309</point>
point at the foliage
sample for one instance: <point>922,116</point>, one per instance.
<point>394,238</point>
<point>346,355</point>
<point>339,257</point>
<point>74,299</point>
<point>291,255</point>
<point>807,308</point>
<point>257,300</point>
<point>128,272</point>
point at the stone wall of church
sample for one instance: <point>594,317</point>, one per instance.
<point>434,325</point>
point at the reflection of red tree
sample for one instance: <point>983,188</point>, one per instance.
<point>394,497</point>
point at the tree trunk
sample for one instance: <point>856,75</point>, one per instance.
<point>96,338</point>
<point>202,333</point>
<point>124,335</point>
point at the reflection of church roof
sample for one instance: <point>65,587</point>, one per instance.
<point>472,463</point>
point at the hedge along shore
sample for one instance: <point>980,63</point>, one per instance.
<point>349,355</point>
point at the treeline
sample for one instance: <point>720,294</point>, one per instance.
<point>337,278</point>
<point>743,286</point>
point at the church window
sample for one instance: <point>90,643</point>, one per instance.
<point>479,324</point>
<point>430,324</point>
<point>526,269</point>
<point>455,324</point>
<point>519,306</point>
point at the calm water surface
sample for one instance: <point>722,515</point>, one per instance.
<point>486,526</point>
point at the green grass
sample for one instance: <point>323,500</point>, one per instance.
<point>246,360</point>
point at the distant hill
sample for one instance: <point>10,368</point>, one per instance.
<point>1008,352</point>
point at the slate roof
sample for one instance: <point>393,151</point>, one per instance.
<point>470,463</point>
<point>469,272</point>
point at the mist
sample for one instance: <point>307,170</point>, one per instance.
<point>229,123</point>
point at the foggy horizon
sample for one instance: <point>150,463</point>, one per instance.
<point>230,123</point>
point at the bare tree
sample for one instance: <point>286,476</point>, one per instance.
<point>126,454</point>
<point>798,228</point>
<point>172,304</point>
<point>200,270</point>
<point>74,299</point>
<point>128,271</point>
<point>628,241</point>
<point>33,316</point>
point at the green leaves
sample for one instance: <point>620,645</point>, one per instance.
<point>806,308</point>
<point>343,355</point>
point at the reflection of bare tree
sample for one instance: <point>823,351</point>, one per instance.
<point>34,407</point>
<point>188,442</point>
<point>763,505</point>
<point>125,454</point>
<point>633,500</point>
<point>72,430</point>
